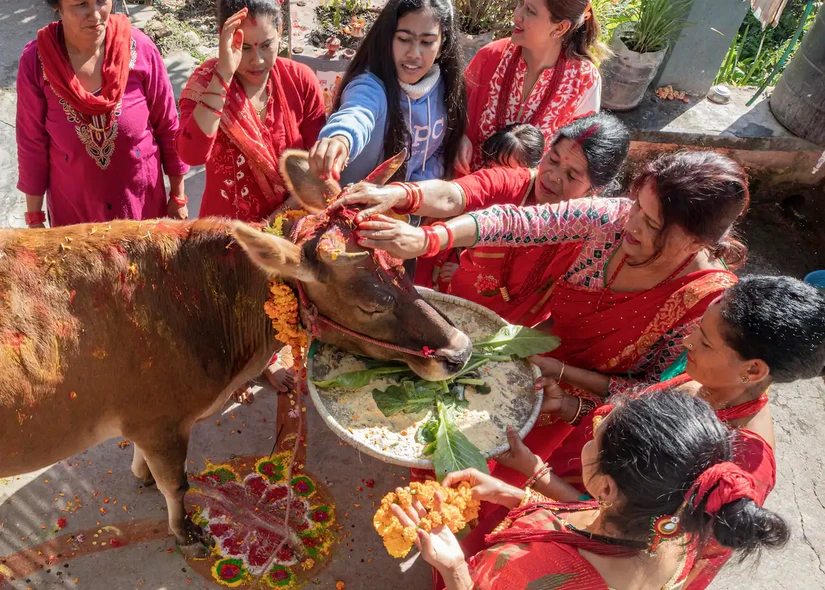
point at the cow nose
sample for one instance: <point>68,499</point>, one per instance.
<point>453,359</point>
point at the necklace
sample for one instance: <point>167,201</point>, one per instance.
<point>640,545</point>
<point>507,84</point>
<point>670,277</point>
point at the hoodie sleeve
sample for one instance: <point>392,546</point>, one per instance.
<point>363,102</point>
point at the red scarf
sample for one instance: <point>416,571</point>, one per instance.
<point>58,71</point>
<point>243,126</point>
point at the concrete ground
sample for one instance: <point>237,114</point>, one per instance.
<point>30,505</point>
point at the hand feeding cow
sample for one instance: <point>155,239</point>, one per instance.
<point>141,329</point>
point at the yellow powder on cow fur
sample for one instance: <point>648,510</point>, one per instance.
<point>457,509</point>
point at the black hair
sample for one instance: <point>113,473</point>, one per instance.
<point>53,3</point>
<point>375,55</point>
<point>655,446</point>
<point>779,320</point>
<point>705,193</point>
<point>521,141</point>
<point>582,40</point>
<point>257,9</point>
<point>605,141</point>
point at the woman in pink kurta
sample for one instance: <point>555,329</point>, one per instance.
<point>96,167</point>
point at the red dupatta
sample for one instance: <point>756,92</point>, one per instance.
<point>242,125</point>
<point>58,70</point>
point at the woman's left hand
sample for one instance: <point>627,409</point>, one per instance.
<point>397,238</point>
<point>519,457</point>
<point>439,547</point>
<point>176,211</point>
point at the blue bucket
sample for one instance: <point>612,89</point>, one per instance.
<point>816,279</point>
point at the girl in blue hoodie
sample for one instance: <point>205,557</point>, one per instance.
<point>403,89</point>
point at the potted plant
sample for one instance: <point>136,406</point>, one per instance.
<point>639,45</point>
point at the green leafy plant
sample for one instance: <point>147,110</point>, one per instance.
<point>453,451</point>
<point>754,51</point>
<point>655,24</point>
<point>518,341</point>
<point>476,17</point>
<point>359,379</point>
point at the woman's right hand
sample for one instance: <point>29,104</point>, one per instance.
<point>378,199</point>
<point>486,488</point>
<point>464,158</point>
<point>395,237</point>
<point>230,45</point>
<point>447,272</point>
<point>328,157</point>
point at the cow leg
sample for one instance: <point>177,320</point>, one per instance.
<point>165,453</point>
<point>140,469</point>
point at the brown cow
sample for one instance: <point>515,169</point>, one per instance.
<point>141,329</point>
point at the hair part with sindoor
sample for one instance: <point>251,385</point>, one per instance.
<point>373,56</point>
<point>257,9</point>
<point>605,141</point>
<point>655,447</point>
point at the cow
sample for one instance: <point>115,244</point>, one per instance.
<point>141,329</point>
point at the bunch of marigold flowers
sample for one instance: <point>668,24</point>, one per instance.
<point>457,509</point>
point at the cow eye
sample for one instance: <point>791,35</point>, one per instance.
<point>377,303</point>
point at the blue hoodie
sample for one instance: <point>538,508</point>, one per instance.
<point>362,120</point>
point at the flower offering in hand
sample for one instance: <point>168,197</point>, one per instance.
<point>457,509</point>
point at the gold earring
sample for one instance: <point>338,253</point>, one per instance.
<point>689,345</point>
<point>744,379</point>
<point>604,505</point>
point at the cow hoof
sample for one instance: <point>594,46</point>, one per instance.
<point>196,550</point>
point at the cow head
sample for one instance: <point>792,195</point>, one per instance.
<point>364,291</point>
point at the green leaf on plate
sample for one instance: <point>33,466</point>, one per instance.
<point>427,432</point>
<point>359,379</point>
<point>406,398</point>
<point>453,451</point>
<point>519,341</point>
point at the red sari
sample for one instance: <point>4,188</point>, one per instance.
<point>243,180</point>
<point>534,553</point>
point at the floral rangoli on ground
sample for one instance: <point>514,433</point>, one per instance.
<point>242,506</point>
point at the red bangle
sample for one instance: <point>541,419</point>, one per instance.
<point>215,111</point>
<point>35,217</point>
<point>221,94</point>
<point>414,198</point>
<point>433,243</point>
<point>223,82</point>
<point>180,200</point>
<point>450,236</point>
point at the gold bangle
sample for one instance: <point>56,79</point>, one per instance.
<point>528,493</point>
<point>573,422</point>
<point>540,472</point>
<point>561,373</point>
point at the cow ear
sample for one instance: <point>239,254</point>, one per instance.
<point>313,193</point>
<point>276,256</point>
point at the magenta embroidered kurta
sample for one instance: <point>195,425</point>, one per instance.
<point>90,175</point>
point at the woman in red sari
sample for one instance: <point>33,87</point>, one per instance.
<point>647,270</point>
<point>660,466</point>
<point>516,283</point>
<point>241,111</point>
<point>543,75</point>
